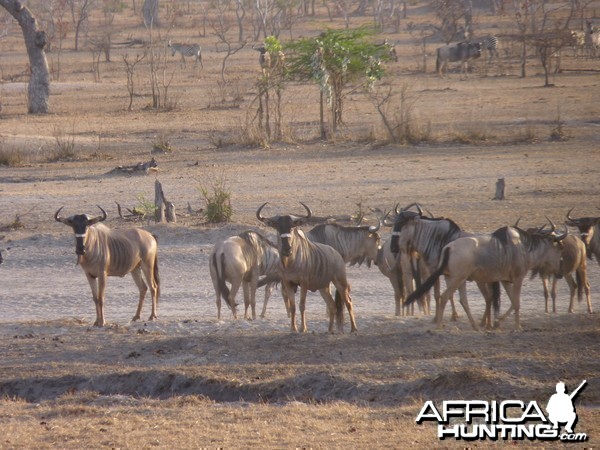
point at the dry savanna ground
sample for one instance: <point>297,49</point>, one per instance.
<point>189,380</point>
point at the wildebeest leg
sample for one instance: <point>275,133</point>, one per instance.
<point>347,299</point>
<point>235,287</point>
<point>462,291</point>
<point>584,283</point>
<point>451,287</point>
<point>268,291</point>
<point>398,286</point>
<point>291,300</point>
<point>253,286</point>
<point>247,298</point>
<point>136,274</point>
<point>303,292</point>
<point>547,293</point>
<point>93,282</point>
<point>331,307</point>
<point>572,288</point>
<point>148,270</point>
<point>513,290</point>
<point>486,321</point>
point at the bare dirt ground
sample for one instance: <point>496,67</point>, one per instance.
<point>188,380</point>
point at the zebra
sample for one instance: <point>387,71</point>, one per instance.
<point>490,43</point>
<point>186,50</point>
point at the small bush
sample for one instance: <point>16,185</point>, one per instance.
<point>11,157</point>
<point>217,200</point>
<point>161,144</point>
<point>64,146</point>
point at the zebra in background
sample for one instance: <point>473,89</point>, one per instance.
<point>490,43</point>
<point>186,50</point>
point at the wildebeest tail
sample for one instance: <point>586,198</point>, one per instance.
<point>429,282</point>
<point>339,310</point>
<point>496,298</point>
<point>416,273</point>
<point>224,290</point>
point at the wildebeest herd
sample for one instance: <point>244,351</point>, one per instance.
<point>420,250</point>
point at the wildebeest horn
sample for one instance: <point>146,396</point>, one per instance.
<point>385,220</point>
<point>552,224</point>
<point>60,219</point>
<point>517,222</point>
<point>570,219</point>
<point>375,228</point>
<point>258,214</point>
<point>396,209</point>
<point>307,210</point>
<point>98,218</point>
<point>561,236</point>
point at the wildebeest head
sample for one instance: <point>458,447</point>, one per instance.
<point>403,217</point>
<point>80,224</point>
<point>585,225</point>
<point>284,225</point>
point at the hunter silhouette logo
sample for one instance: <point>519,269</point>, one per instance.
<point>508,419</point>
<point>560,407</point>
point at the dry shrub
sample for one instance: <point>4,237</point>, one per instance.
<point>11,157</point>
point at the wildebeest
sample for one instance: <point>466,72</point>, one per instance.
<point>356,244</point>
<point>573,259</point>
<point>506,256</point>
<point>462,52</point>
<point>102,252</point>
<point>589,229</point>
<point>311,266</point>
<point>416,234</point>
<point>240,260</point>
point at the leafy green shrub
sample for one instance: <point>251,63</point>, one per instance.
<point>217,199</point>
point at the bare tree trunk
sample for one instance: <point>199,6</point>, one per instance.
<point>500,185</point>
<point>35,41</point>
<point>165,210</point>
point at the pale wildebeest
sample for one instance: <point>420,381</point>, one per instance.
<point>577,41</point>
<point>356,244</point>
<point>462,52</point>
<point>592,38</point>
<point>573,259</point>
<point>102,252</point>
<point>240,260</point>
<point>311,266</point>
<point>506,256</point>
<point>589,229</point>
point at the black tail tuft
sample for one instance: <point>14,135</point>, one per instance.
<point>221,278</point>
<point>496,298</point>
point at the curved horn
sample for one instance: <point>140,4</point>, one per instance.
<point>60,219</point>
<point>103,218</point>
<point>552,224</point>
<point>570,219</point>
<point>386,221</point>
<point>517,222</point>
<point>375,228</point>
<point>396,209</point>
<point>307,210</point>
<point>56,217</point>
<point>258,214</point>
<point>561,236</point>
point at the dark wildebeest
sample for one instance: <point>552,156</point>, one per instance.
<point>589,229</point>
<point>240,260</point>
<point>462,52</point>
<point>312,266</point>
<point>102,252</point>
<point>426,237</point>
<point>506,256</point>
